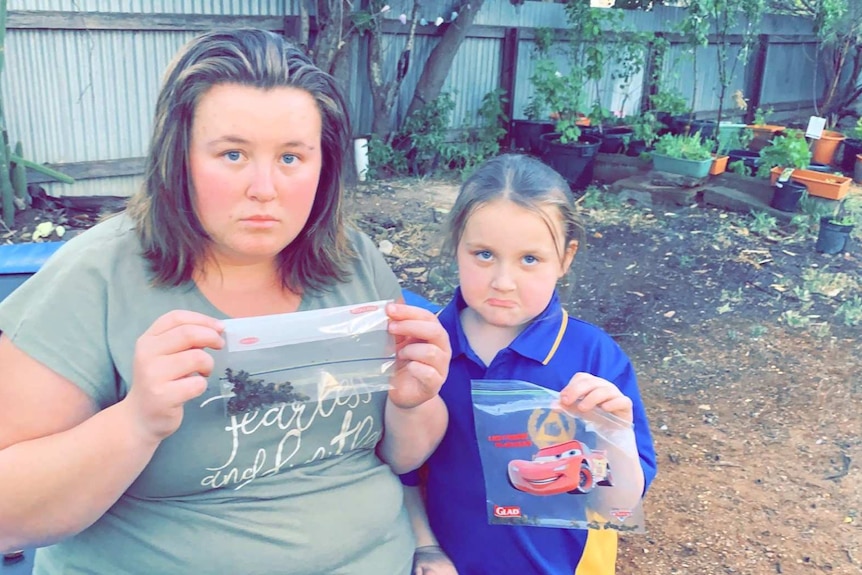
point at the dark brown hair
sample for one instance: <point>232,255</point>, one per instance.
<point>170,232</point>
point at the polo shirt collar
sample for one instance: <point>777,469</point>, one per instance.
<point>539,341</point>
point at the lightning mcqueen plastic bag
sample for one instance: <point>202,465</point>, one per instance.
<point>548,467</point>
<point>304,356</point>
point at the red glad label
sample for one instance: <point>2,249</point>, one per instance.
<point>363,309</point>
<point>249,340</point>
<point>507,511</point>
<point>621,514</point>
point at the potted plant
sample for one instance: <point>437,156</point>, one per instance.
<point>822,185</point>
<point>615,134</point>
<point>834,232</point>
<point>566,148</point>
<point>645,131</point>
<point>789,150</point>
<point>526,133</point>
<point>852,147</point>
<point>763,132</point>
<point>684,154</point>
<point>667,104</point>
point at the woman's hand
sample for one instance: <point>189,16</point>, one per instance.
<point>423,354</point>
<point>170,368</point>
<point>585,392</point>
<point>431,560</point>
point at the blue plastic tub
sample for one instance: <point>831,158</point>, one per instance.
<point>19,261</point>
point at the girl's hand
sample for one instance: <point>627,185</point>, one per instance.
<point>423,354</point>
<point>170,368</point>
<point>585,391</point>
<point>431,560</point>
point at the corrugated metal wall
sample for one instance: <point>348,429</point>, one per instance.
<point>88,95</point>
<point>234,7</point>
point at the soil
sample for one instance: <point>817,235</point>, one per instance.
<point>751,379</point>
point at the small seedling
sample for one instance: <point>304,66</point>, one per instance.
<point>850,311</point>
<point>757,331</point>
<point>795,319</point>
<point>762,223</point>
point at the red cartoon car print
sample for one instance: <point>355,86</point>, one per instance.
<point>569,467</point>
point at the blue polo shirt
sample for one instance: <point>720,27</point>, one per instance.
<point>548,352</point>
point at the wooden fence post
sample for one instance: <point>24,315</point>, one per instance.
<point>754,84</point>
<point>508,75</point>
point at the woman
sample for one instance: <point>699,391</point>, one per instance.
<point>115,453</point>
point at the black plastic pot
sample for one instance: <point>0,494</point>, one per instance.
<point>685,124</point>
<point>832,238</point>
<point>665,118</point>
<point>614,140</point>
<point>786,195</point>
<point>591,131</point>
<point>574,161</point>
<point>852,146</point>
<point>818,167</point>
<point>636,148</point>
<point>526,134</point>
<point>747,157</point>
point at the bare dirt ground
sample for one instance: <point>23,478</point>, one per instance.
<point>752,381</point>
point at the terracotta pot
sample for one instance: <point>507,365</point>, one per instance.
<point>826,146</point>
<point>719,164</point>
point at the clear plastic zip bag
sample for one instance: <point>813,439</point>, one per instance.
<point>549,467</point>
<point>307,356</point>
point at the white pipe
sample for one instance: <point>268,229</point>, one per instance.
<point>360,152</point>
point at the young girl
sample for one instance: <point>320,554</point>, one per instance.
<point>514,232</point>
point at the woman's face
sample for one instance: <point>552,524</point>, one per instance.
<point>255,159</point>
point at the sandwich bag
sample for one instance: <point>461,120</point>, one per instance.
<point>547,466</point>
<point>307,356</point>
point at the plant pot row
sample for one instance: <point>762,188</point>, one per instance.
<point>527,134</point>
<point>820,184</point>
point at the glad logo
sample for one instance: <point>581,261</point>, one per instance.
<point>621,514</point>
<point>507,511</point>
<point>249,340</point>
<point>363,309</point>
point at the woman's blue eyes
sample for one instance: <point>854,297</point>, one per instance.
<point>235,156</point>
<point>530,259</point>
<point>483,255</point>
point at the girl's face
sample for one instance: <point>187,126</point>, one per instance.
<point>255,159</point>
<point>509,261</point>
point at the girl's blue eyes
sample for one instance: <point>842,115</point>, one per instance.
<point>232,156</point>
<point>288,159</point>
<point>486,256</point>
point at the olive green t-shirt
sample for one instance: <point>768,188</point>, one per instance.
<point>291,488</point>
